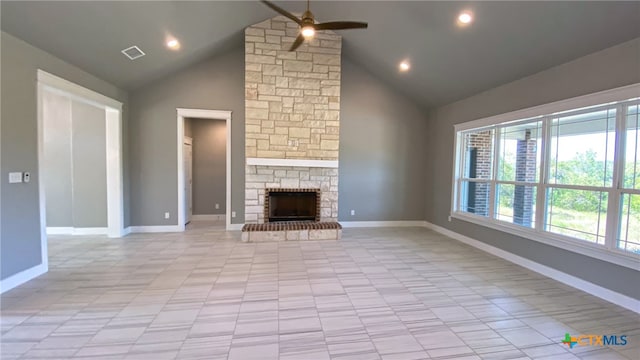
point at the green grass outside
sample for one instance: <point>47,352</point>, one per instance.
<point>584,225</point>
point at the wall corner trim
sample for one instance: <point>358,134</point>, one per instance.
<point>375,224</point>
<point>570,280</point>
<point>22,277</point>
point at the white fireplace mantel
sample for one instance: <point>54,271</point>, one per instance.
<point>293,162</point>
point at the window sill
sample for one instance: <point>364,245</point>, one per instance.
<point>599,252</point>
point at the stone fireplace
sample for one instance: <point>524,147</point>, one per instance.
<point>292,118</point>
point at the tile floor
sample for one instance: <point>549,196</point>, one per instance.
<point>390,294</point>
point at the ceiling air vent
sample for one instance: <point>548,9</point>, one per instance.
<point>133,52</point>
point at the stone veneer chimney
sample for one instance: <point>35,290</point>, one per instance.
<point>292,112</point>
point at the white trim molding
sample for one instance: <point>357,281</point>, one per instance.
<point>115,182</point>
<point>293,162</point>
<point>234,227</point>
<point>155,229</point>
<point>207,217</point>
<point>201,114</point>
<point>570,280</point>
<point>22,277</point>
<point>204,114</point>
<point>76,231</point>
<point>377,224</point>
<point>67,88</point>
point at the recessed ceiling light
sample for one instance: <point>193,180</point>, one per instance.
<point>465,18</point>
<point>404,66</point>
<point>173,44</point>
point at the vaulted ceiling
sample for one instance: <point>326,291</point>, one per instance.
<point>506,41</point>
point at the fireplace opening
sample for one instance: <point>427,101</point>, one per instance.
<point>292,205</point>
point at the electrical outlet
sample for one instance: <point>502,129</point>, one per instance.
<point>449,219</point>
<point>217,206</point>
<point>167,215</point>
<point>233,214</point>
<point>353,212</point>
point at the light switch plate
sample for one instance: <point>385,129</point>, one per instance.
<point>15,177</point>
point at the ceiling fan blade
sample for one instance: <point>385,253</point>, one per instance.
<point>282,11</point>
<point>340,25</point>
<point>297,43</point>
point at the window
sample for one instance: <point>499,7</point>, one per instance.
<point>557,174</point>
<point>580,168</point>
<point>628,238</point>
<point>518,172</point>
<point>478,148</point>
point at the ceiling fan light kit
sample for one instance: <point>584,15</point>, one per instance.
<point>308,26</point>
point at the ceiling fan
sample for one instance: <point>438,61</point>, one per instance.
<point>308,27</point>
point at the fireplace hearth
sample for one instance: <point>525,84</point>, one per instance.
<point>281,205</point>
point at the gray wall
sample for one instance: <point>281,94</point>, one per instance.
<point>20,245</point>
<point>89,151</point>
<point>57,159</point>
<point>74,163</point>
<point>209,166</point>
<point>382,151</point>
<point>610,68</point>
<point>216,84</point>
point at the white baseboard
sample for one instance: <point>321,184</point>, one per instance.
<point>234,227</point>
<point>126,231</point>
<point>208,217</point>
<point>22,277</point>
<point>58,230</point>
<point>372,224</point>
<point>570,280</point>
<point>155,229</point>
<point>76,231</point>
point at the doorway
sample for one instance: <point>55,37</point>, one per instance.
<point>109,113</point>
<point>195,199</point>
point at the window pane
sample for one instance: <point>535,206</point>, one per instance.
<point>476,155</point>
<point>632,150</point>
<point>581,149</point>
<point>516,204</point>
<point>475,198</point>
<point>629,234</point>
<point>581,214</point>
<point>519,157</point>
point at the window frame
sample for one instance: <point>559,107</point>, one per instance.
<point>618,97</point>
